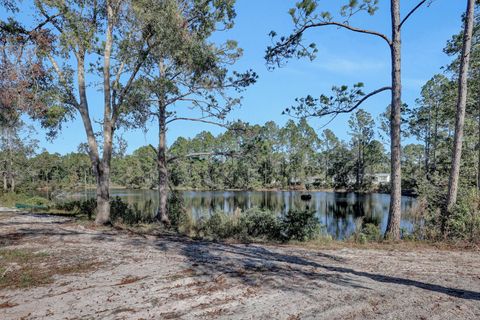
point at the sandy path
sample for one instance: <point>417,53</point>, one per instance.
<point>176,278</point>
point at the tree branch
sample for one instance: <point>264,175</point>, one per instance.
<point>337,111</point>
<point>198,120</point>
<point>341,25</point>
<point>410,13</point>
<point>153,148</point>
<point>356,105</point>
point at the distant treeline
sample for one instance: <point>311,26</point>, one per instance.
<point>247,157</point>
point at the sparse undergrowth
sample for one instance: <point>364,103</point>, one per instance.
<point>24,268</point>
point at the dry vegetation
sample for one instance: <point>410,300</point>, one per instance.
<point>55,268</point>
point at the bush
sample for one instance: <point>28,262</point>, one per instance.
<point>372,232</point>
<point>130,214</point>
<point>259,224</point>
<point>299,225</point>
<point>255,223</point>
<point>180,220</point>
<point>218,226</point>
<point>81,207</point>
<point>367,230</point>
<point>464,221</point>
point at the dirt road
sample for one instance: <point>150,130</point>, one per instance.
<point>77,272</point>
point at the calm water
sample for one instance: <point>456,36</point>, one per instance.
<point>337,211</point>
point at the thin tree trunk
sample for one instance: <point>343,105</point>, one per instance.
<point>460,114</point>
<point>102,194</point>
<point>478,152</point>
<point>10,173</point>
<point>435,139</point>
<point>394,215</point>
<point>162,214</point>
<point>428,139</point>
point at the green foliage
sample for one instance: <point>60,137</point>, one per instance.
<point>299,225</point>
<point>367,230</point>
<point>122,212</point>
<point>464,221</point>
<point>37,201</point>
<point>81,207</point>
<point>10,199</point>
<point>256,224</point>
<point>180,220</point>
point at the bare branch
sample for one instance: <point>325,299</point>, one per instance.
<point>410,13</point>
<point>198,120</point>
<point>297,34</point>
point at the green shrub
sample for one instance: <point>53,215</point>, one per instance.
<point>259,224</point>
<point>81,207</point>
<point>129,214</point>
<point>367,230</point>
<point>180,220</point>
<point>372,232</point>
<point>464,221</point>
<point>256,223</point>
<point>219,226</point>
<point>299,225</point>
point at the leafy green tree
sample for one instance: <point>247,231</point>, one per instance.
<point>107,40</point>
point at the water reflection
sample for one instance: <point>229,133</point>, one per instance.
<point>337,211</point>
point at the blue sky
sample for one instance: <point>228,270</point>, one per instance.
<point>344,58</point>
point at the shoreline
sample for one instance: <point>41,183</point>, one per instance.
<point>407,192</point>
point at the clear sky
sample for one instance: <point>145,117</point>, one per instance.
<point>344,58</point>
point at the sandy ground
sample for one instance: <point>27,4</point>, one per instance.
<point>171,277</point>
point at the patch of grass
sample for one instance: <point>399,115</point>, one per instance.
<point>17,268</point>
<point>24,268</point>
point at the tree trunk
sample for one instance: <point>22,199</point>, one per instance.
<point>428,139</point>
<point>103,174</point>
<point>478,152</point>
<point>435,139</point>
<point>101,169</point>
<point>162,214</point>
<point>12,183</point>
<point>460,113</point>
<point>103,197</point>
<point>394,215</point>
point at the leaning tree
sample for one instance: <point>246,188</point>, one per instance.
<point>306,16</point>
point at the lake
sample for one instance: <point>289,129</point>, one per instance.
<point>337,211</point>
